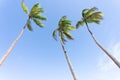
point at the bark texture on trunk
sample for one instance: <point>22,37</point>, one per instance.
<point>68,61</point>
<point>100,46</point>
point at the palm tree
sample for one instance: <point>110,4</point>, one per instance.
<point>64,26</point>
<point>93,16</point>
<point>35,15</point>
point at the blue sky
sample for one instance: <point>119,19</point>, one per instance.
<point>38,57</point>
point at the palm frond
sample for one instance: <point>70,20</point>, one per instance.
<point>64,26</point>
<point>35,15</point>
<point>64,21</point>
<point>29,26</point>
<point>79,23</point>
<point>90,11</point>
<point>24,7</point>
<point>93,21</point>
<point>54,34</point>
<point>39,17</point>
<point>71,28</point>
<point>38,23</point>
<point>84,12</point>
<point>62,36</point>
<point>35,7</point>
<point>68,35</point>
<point>90,16</point>
<point>96,15</point>
<point>36,10</point>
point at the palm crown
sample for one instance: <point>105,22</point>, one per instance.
<point>90,16</point>
<point>64,26</point>
<point>34,14</point>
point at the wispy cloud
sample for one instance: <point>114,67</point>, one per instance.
<point>106,69</point>
<point>105,63</point>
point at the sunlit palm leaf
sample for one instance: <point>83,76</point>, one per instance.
<point>96,15</point>
<point>90,16</point>
<point>35,7</point>
<point>38,23</point>
<point>62,36</point>
<point>36,10</point>
<point>93,21</point>
<point>68,35</point>
<point>64,22</point>
<point>24,7</point>
<point>64,26</point>
<point>90,11</point>
<point>35,15</point>
<point>79,23</point>
<point>84,11</point>
<point>71,28</point>
<point>39,17</point>
<point>29,25</point>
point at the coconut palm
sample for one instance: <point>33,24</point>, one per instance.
<point>35,16</point>
<point>64,26</point>
<point>94,16</point>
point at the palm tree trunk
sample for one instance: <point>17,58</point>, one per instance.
<point>68,61</point>
<point>13,44</point>
<point>107,53</point>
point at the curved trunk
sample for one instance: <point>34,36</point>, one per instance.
<point>107,53</point>
<point>68,61</point>
<point>13,44</point>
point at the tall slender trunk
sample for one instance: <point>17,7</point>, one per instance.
<point>13,44</point>
<point>100,46</point>
<point>68,61</point>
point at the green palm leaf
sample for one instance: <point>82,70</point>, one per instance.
<point>96,15</point>
<point>29,26</point>
<point>90,16</point>
<point>35,15</point>
<point>71,28</point>
<point>64,26</point>
<point>64,22</point>
<point>84,11</point>
<point>68,35</point>
<point>38,23</point>
<point>54,34</point>
<point>90,11</point>
<point>35,7</point>
<point>62,36</point>
<point>93,21</point>
<point>36,10</point>
<point>39,17</point>
<point>79,23</point>
<point>24,7</point>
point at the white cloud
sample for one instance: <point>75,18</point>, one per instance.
<point>105,63</point>
<point>106,69</point>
